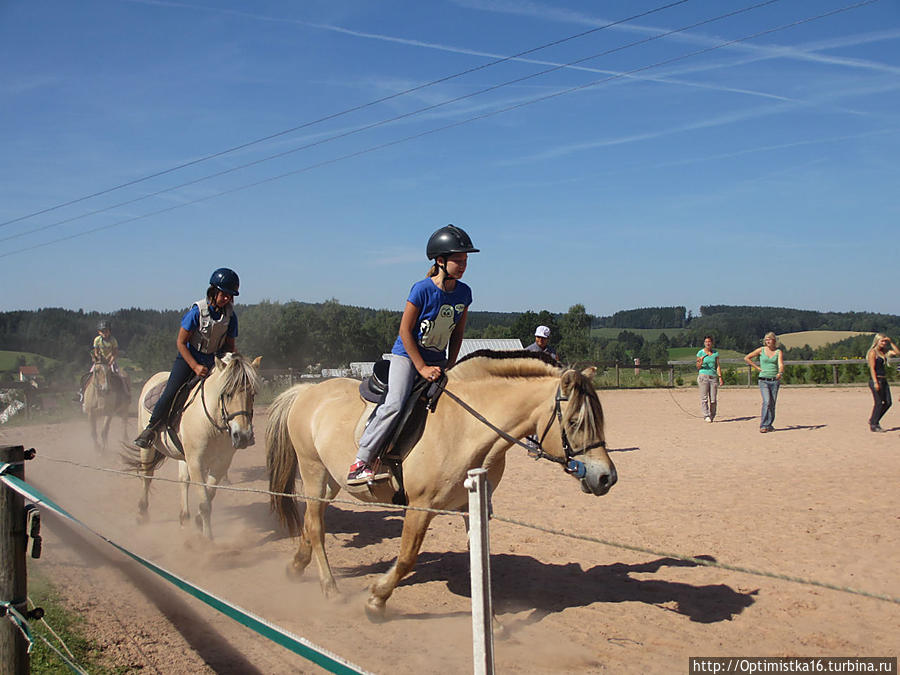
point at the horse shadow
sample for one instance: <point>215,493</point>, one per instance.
<point>802,427</point>
<point>521,582</point>
<point>367,527</point>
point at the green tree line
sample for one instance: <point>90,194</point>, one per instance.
<point>304,335</point>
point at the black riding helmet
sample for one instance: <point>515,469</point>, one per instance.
<point>226,280</point>
<point>448,240</point>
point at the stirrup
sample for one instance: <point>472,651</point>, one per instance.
<point>145,439</point>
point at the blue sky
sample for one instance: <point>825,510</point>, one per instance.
<point>699,168</point>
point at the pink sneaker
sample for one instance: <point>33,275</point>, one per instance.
<point>360,472</point>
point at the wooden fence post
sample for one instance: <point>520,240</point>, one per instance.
<point>14,658</point>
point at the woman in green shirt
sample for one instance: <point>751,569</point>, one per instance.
<point>771,368</point>
<point>709,378</point>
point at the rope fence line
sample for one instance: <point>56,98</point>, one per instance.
<point>301,646</point>
<point>520,523</point>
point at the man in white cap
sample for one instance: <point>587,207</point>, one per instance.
<point>542,342</point>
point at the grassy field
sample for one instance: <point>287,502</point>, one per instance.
<point>689,353</point>
<point>649,334</point>
<point>816,338</point>
<point>9,360</point>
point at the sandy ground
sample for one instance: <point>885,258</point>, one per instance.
<point>817,499</point>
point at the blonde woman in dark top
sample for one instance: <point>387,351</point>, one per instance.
<point>771,368</point>
<point>881,350</point>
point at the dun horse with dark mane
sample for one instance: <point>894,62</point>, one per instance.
<point>105,397</point>
<point>311,428</point>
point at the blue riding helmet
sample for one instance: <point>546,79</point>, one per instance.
<point>226,280</point>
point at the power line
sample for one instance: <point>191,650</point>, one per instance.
<point>457,124</point>
<point>396,118</point>
<point>341,113</point>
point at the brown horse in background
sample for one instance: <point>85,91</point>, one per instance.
<point>311,428</point>
<point>105,396</point>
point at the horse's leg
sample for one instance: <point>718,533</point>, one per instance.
<point>107,420</point>
<point>415,525</point>
<point>200,474</point>
<point>185,514</point>
<point>312,542</point>
<point>147,455</point>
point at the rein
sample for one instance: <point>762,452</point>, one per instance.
<point>226,417</point>
<point>569,463</point>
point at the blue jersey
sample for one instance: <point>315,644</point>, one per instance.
<point>439,313</point>
<point>191,322</point>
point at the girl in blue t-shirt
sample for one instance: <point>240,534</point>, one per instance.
<point>431,333</point>
<point>208,328</point>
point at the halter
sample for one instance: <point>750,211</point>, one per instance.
<point>226,417</point>
<point>569,463</point>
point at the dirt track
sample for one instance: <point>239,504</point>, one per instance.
<point>817,499</point>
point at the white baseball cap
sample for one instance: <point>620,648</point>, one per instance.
<point>542,331</point>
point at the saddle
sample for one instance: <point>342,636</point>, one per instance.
<point>408,427</point>
<point>173,415</point>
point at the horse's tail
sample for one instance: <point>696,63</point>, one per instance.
<point>281,459</point>
<point>132,459</point>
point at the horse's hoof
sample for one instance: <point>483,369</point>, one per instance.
<point>375,610</point>
<point>143,518</point>
<point>183,518</point>
<point>294,572</point>
<point>330,591</point>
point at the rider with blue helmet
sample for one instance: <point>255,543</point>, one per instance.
<point>209,327</point>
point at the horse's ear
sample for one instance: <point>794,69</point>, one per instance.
<point>567,381</point>
<point>255,363</point>
<point>589,372</point>
<point>219,363</point>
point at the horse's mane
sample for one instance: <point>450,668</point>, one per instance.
<point>239,374</point>
<point>583,412</point>
<point>489,363</point>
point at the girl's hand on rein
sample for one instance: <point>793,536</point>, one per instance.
<point>430,373</point>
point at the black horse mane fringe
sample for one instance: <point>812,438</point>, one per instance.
<point>514,354</point>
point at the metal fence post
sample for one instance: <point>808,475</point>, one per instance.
<point>480,563</point>
<point>14,658</point>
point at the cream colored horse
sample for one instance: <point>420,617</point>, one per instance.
<point>217,421</point>
<point>522,393</point>
<point>104,398</point>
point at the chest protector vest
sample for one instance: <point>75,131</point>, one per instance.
<point>211,333</point>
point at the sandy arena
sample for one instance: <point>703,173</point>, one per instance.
<point>817,499</point>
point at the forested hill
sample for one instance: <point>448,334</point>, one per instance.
<point>329,334</point>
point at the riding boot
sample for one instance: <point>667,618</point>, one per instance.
<point>146,438</point>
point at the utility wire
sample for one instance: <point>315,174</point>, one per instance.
<point>345,112</point>
<point>396,118</point>
<point>456,124</point>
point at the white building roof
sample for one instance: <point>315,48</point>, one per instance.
<point>501,345</point>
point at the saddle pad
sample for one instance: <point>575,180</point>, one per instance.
<point>153,396</point>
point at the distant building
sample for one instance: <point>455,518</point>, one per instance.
<point>499,345</point>
<point>28,373</point>
<point>361,369</point>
